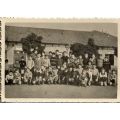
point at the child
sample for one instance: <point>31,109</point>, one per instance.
<point>6,67</point>
<point>65,76</point>
<point>70,73</point>
<point>50,76</point>
<point>89,66</point>
<point>43,75</point>
<point>103,77</point>
<point>61,76</point>
<point>100,63</point>
<point>76,77</point>
<point>89,75</point>
<point>55,76</point>
<point>80,69</point>
<point>95,75</point>
<point>46,61</point>
<point>53,60</point>
<point>39,76</point>
<point>113,78</point>
<point>28,76</point>
<point>22,63</point>
<point>17,77</point>
<point>64,65</point>
<point>86,59</point>
<point>59,60</point>
<point>106,64</point>
<point>37,69</point>
<point>72,61</point>
<point>9,78</point>
<point>30,63</point>
<point>84,78</point>
<point>81,60</point>
<point>93,59</point>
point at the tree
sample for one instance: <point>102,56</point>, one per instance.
<point>91,42</point>
<point>32,43</point>
<point>80,49</point>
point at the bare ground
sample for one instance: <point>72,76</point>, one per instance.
<point>59,91</point>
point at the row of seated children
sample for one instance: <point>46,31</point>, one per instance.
<point>74,76</point>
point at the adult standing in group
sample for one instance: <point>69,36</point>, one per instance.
<point>106,64</point>
<point>93,59</point>
<point>59,60</point>
<point>100,63</point>
<point>22,63</point>
<point>85,60</point>
<point>37,62</point>
<point>43,59</point>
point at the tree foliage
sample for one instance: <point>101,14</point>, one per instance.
<point>32,43</point>
<point>80,49</point>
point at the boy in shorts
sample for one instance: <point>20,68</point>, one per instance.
<point>9,78</point>
<point>17,78</point>
<point>103,77</point>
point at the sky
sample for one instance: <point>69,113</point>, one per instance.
<point>110,28</point>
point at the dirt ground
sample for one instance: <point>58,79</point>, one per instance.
<point>59,91</point>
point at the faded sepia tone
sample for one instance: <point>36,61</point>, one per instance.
<point>47,69</point>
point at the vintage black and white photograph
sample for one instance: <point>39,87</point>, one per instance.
<point>61,60</point>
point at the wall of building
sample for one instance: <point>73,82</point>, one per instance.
<point>10,52</point>
<point>52,48</point>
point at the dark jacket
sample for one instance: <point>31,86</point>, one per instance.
<point>22,64</point>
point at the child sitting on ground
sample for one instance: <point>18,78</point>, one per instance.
<point>103,77</point>
<point>61,76</point>
<point>89,75</point>
<point>55,75</point>
<point>9,78</point>
<point>65,76</point>
<point>50,76</point>
<point>17,77</point>
<point>76,77</point>
<point>113,78</point>
<point>28,76</point>
<point>71,78</point>
<point>95,75</point>
<point>84,78</point>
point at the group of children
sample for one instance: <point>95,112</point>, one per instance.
<point>62,69</point>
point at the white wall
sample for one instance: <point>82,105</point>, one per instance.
<point>61,48</point>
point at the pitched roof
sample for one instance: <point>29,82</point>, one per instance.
<point>13,33</point>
